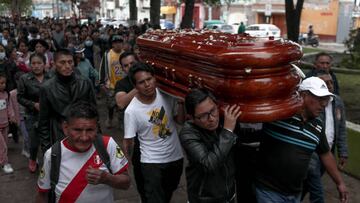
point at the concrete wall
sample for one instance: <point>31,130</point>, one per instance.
<point>324,19</point>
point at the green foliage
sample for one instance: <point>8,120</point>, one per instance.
<point>353,46</point>
<point>213,2</point>
<point>353,166</point>
<point>24,6</point>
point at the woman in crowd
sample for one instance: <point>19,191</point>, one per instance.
<point>40,46</point>
<point>28,96</point>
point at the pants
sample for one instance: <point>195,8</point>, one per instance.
<point>25,134</point>
<point>264,195</point>
<point>3,145</point>
<point>161,180</point>
<point>139,179</point>
<point>31,126</point>
<point>245,161</point>
<point>110,103</point>
<point>312,183</point>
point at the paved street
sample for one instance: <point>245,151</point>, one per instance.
<point>21,185</point>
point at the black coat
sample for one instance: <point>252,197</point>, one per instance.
<point>210,174</point>
<point>28,91</point>
<point>55,97</point>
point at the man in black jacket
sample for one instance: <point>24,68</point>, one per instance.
<point>57,94</point>
<point>210,173</point>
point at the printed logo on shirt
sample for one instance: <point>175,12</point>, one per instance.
<point>118,71</point>
<point>42,173</point>
<point>119,153</point>
<point>2,104</point>
<point>97,161</point>
<point>160,121</point>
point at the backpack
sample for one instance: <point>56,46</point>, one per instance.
<point>56,160</point>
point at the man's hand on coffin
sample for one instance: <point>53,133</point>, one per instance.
<point>231,113</point>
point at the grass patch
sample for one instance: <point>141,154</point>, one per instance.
<point>350,93</point>
<point>308,50</point>
<point>353,165</point>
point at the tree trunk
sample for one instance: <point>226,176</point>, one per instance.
<point>15,8</point>
<point>187,18</point>
<point>293,15</point>
<point>133,12</point>
<point>155,13</point>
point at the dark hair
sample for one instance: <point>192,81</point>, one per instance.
<point>137,67</point>
<point>61,52</point>
<point>126,54</point>
<point>22,40</point>
<point>81,109</point>
<point>195,97</point>
<point>41,56</point>
<point>318,55</point>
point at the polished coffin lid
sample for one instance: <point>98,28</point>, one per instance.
<point>257,74</point>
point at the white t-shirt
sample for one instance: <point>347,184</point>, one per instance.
<point>155,127</point>
<point>72,185</point>
<point>329,131</point>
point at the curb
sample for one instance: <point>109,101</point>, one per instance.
<point>353,126</point>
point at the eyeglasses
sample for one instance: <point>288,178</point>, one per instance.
<point>206,116</point>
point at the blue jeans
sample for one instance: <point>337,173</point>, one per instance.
<point>313,184</point>
<point>264,195</point>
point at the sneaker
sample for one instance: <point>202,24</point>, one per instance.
<point>25,153</point>
<point>32,166</point>
<point>7,168</point>
<point>10,135</point>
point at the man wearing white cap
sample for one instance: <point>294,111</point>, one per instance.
<point>287,146</point>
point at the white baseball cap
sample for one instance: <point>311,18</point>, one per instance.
<point>316,86</point>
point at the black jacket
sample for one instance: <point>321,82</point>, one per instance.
<point>210,174</point>
<point>28,91</point>
<point>56,95</point>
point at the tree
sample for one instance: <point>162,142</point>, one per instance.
<point>187,18</point>
<point>133,12</point>
<point>89,6</point>
<point>155,12</point>
<point>17,7</point>
<point>293,15</point>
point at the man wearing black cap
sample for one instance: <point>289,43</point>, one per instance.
<point>110,73</point>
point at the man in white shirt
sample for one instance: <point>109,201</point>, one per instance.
<point>151,115</point>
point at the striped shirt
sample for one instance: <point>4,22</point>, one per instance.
<point>285,152</point>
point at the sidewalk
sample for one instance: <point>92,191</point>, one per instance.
<point>330,46</point>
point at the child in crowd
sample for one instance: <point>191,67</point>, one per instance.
<point>6,115</point>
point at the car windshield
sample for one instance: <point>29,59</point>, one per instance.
<point>226,27</point>
<point>252,28</point>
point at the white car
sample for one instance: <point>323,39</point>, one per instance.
<point>221,27</point>
<point>263,30</point>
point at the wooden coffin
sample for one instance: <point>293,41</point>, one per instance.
<point>255,73</point>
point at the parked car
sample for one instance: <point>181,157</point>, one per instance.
<point>166,24</point>
<point>263,30</point>
<point>113,22</point>
<point>221,27</point>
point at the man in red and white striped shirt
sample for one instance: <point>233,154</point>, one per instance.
<point>83,177</point>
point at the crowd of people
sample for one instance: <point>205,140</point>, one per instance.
<point>52,74</point>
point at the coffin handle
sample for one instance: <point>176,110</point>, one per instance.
<point>173,74</point>
<point>190,79</point>
<point>166,72</point>
<point>200,82</point>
